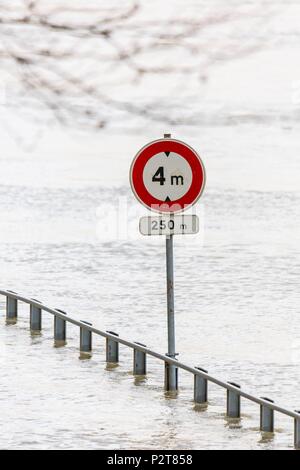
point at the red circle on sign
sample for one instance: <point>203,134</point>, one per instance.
<point>186,152</point>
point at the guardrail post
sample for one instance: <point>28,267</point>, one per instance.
<point>112,348</point>
<point>35,317</point>
<point>233,402</point>
<point>59,327</point>
<point>85,338</point>
<point>297,432</point>
<point>11,308</point>
<point>139,361</point>
<point>266,417</point>
<point>200,387</point>
<point>171,377</point>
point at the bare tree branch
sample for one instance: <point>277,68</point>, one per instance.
<point>90,63</point>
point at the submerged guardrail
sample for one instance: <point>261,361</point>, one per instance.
<point>140,351</point>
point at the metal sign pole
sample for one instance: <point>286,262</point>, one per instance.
<point>170,296</point>
<point>171,379</point>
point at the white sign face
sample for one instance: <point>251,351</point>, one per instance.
<point>167,176</point>
<point>169,225</point>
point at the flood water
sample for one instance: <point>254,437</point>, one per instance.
<point>69,237</point>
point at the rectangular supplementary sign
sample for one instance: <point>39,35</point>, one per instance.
<point>169,225</point>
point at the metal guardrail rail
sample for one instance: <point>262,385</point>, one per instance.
<point>201,376</point>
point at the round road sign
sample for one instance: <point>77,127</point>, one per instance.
<point>167,175</point>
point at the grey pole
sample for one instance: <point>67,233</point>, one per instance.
<point>11,308</point>
<point>171,371</point>
<point>266,417</point>
<point>200,387</point>
<point>297,432</point>
<point>139,361</point>
<point>35,317</point>
<point>233,402</point>
<point>85,338</point>
<point>112,348</point>
<point>171,377</point>
<point>60,327</point>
